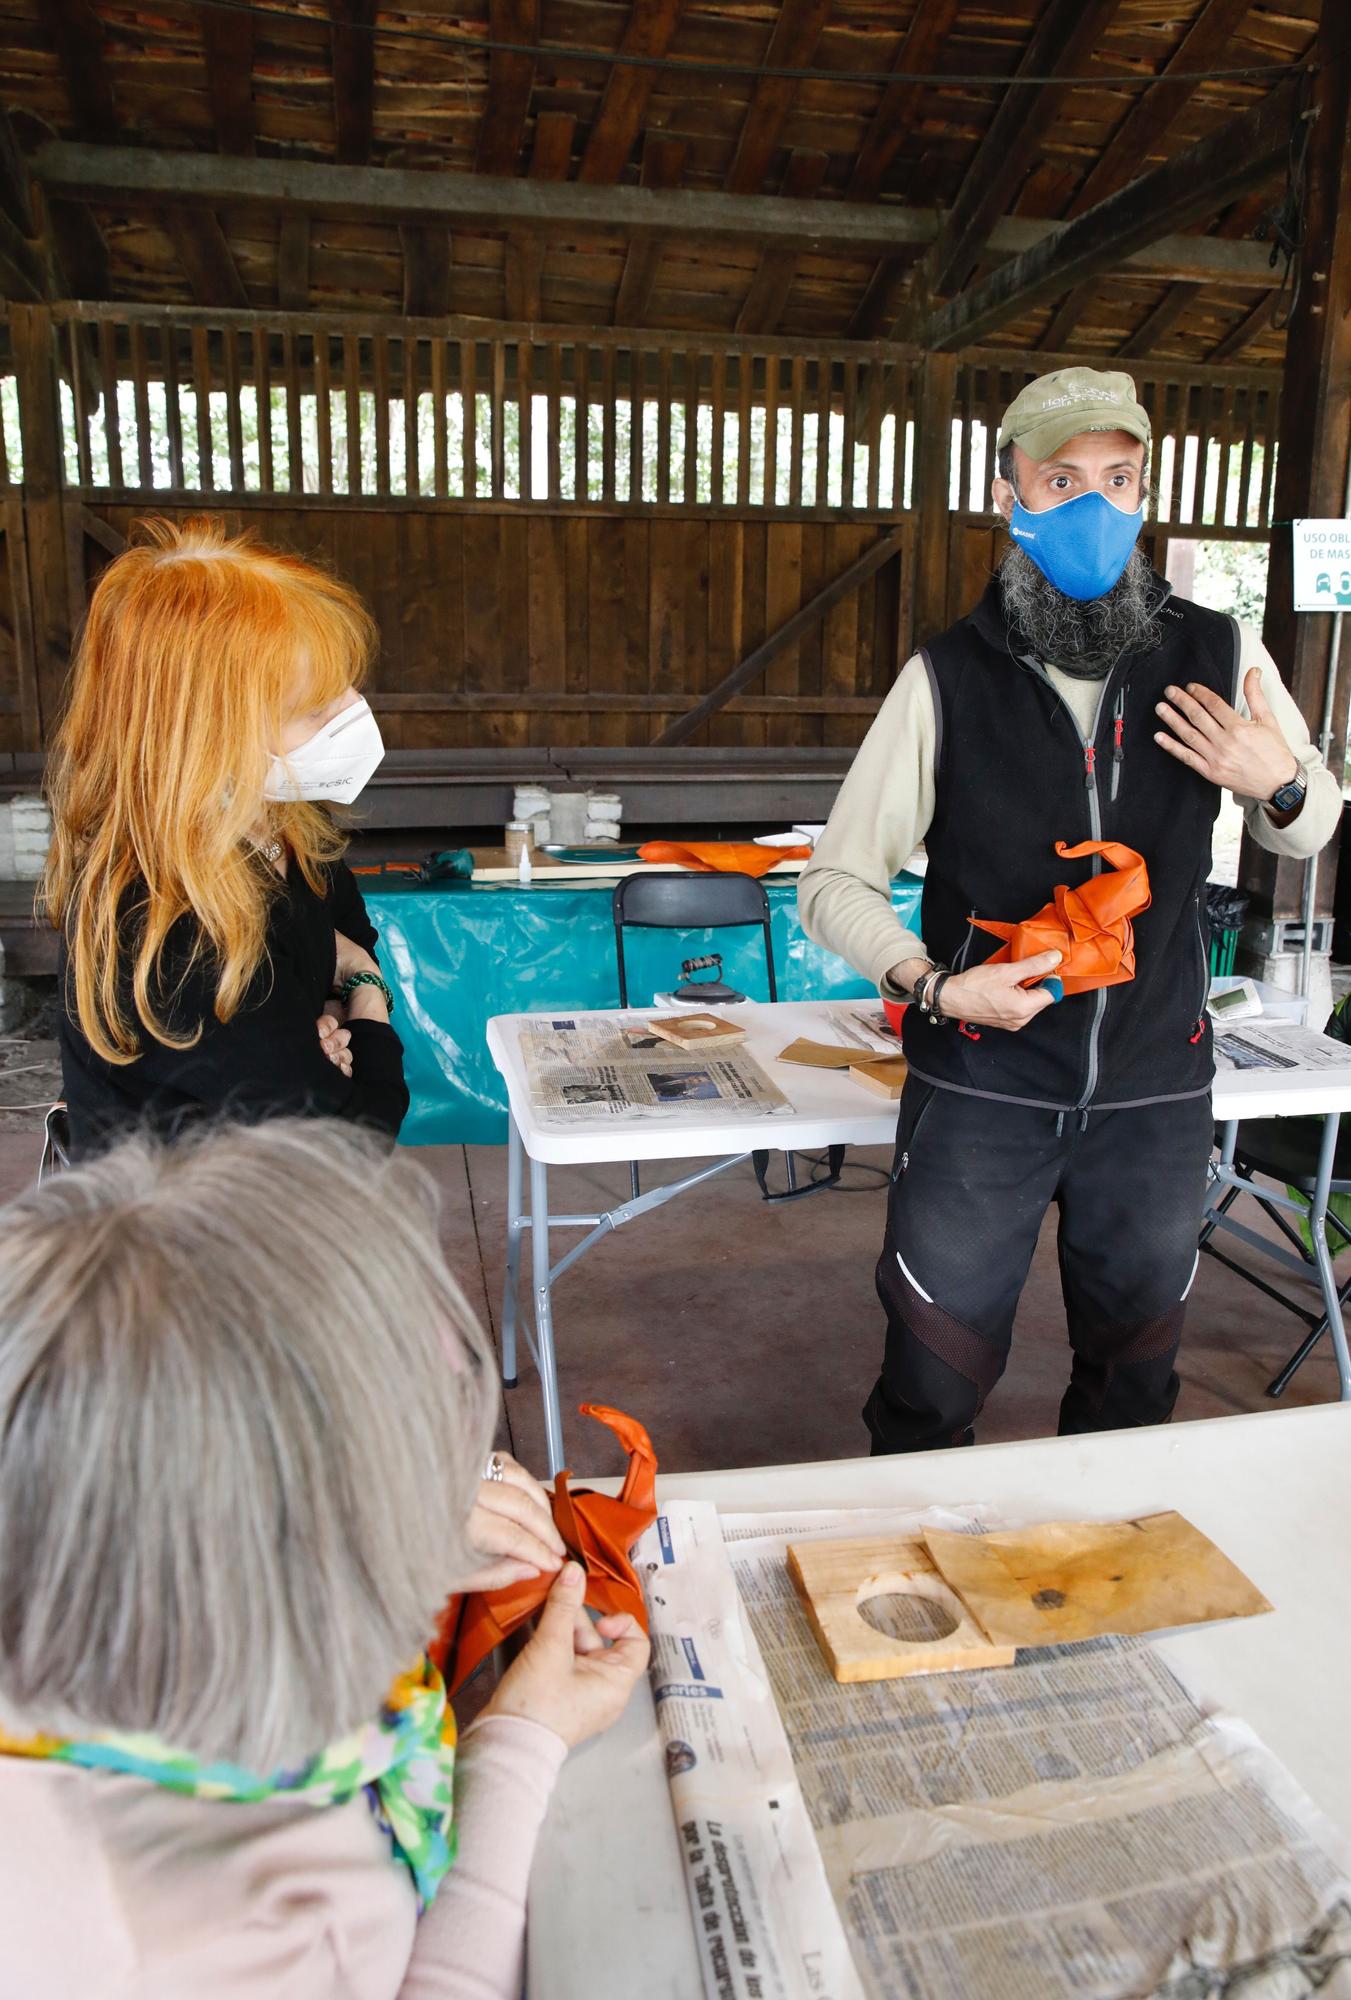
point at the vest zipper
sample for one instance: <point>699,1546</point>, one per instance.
<point>1118,734</point>
<point>1088,743</point>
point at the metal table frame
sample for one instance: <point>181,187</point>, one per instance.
<point>1227,1182</point>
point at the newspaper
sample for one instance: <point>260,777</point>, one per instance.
<point>580,1068</point>
<point>1076,1824</point>
<point>1259,1045</point>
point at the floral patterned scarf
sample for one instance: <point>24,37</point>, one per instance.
<point>404,1762</point>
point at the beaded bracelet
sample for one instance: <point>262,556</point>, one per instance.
<point>355,979</point>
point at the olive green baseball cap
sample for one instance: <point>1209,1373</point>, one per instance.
<point>1056,407</point>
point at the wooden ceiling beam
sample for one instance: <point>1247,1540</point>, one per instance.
<point>426,273</point>
<point>1153,111</point>
<point>77,35</point>
<point>352,40</point>
<point>511,79</point>
<point>1067,317</point>
<point>523,262</point>
<point>1188,188</point>
<point>1247,330</point>
<point>1062,44</point>
<point>207,260</point>
<point>791,46</point>
<point>227,44</point>
<point>62,234</point>
<point>663,164</point>
<point>140,177</point>
<point>763,305</point>
<point>651,26</point>
<point>1161,321</point>
<point>293,262</point>
<point>902,100</point>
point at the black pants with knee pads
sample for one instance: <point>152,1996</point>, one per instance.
<point>972,1181</point>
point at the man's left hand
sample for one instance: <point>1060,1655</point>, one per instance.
<point>1249,757</point>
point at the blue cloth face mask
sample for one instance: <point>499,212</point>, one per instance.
<point>1082,545</point>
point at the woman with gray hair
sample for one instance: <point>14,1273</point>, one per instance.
<point>244,1410</point>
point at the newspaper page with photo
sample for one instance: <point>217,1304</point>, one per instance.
<point>1076,1824</point>
<point>580,1068</point>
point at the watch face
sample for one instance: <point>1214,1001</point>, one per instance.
<point>1288,796</point>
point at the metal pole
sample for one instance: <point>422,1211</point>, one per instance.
<point>1324,745</point>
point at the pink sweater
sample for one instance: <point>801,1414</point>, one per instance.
<point>114,1889</point>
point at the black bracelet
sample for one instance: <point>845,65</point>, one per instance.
<point>933,1007</point>
<point>355,979</point>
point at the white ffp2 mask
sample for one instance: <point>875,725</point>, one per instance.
<point>335,763</point>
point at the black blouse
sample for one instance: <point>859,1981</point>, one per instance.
<point>264,1062</point>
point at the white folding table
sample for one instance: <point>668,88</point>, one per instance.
<point>608,1914</point>
<point>829,1109</point>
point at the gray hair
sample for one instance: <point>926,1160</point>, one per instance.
<point>244,1409</point>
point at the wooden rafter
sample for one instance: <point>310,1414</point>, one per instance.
<point>293,262</point>
<point>663,164</point>
<point>651,26</point>
<point>351,25</point>
<point>524,258</point>
<point>791,46</point>
<point>767,296</point>
<point>902,100</point>
<point>1154,110</point>
<point>511,78</point>
<point>1247,330</point>
<point>227,44</point>
<point>207,261</point>
<point>1061,45</point>
<point>426,272</point>
<point>203,251</point>
<point>1159,322</point>
<point>62,235</point>
<point>1186,189</point>
<point>139,176</point>
<point>77,33</point>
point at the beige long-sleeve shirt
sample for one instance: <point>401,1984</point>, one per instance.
<point>112,1888</point>
<point>885,807</point>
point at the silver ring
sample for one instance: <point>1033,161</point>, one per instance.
<point>494,1469</point>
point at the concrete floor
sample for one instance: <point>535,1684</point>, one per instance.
<point>742,1334</point>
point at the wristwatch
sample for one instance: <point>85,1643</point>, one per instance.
<point>1289,797</point>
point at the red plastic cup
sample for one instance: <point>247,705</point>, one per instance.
<point>895,1011</point>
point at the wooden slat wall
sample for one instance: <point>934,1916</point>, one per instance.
<point>573,579</point>
<point>499,629</point>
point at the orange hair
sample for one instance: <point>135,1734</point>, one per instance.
<point>198,647</point>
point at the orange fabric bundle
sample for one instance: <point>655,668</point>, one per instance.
<point>598,1531</point>
<point>721,857</point>
<point>1090,926</point>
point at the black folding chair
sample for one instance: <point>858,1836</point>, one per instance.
<point>707,902</point>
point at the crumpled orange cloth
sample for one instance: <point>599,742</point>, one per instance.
<point>721,857</point>
<point>598,1529</point>
<point>1090,926</point>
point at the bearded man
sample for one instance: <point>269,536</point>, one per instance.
<point>1078,701</point>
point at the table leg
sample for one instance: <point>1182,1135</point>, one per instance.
<point>1219,1195</point>
<point>544,1318</point>
<point>515,1225</point>
<point>1318,1209</point>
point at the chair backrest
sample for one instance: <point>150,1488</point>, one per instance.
<point>689,903</point>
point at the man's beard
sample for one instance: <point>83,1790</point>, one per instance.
<point>1083,639</point>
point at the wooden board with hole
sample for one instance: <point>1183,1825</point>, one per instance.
<point>834,1579</point>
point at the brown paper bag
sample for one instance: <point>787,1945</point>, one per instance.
<point>1067,1580</point>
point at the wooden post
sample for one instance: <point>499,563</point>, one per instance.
<point>933,448</point>
<point>43,495</point>
<point>1315,439</point>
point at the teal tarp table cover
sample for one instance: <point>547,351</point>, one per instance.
<point>456,955</point>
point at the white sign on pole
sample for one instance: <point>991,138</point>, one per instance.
<point>1322,565</point>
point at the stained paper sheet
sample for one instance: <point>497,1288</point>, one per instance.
<point>1077,1824</point>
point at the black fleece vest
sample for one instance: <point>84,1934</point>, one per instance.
<point>1014,776</point>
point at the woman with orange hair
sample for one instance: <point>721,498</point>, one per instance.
<point>216,953</point>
